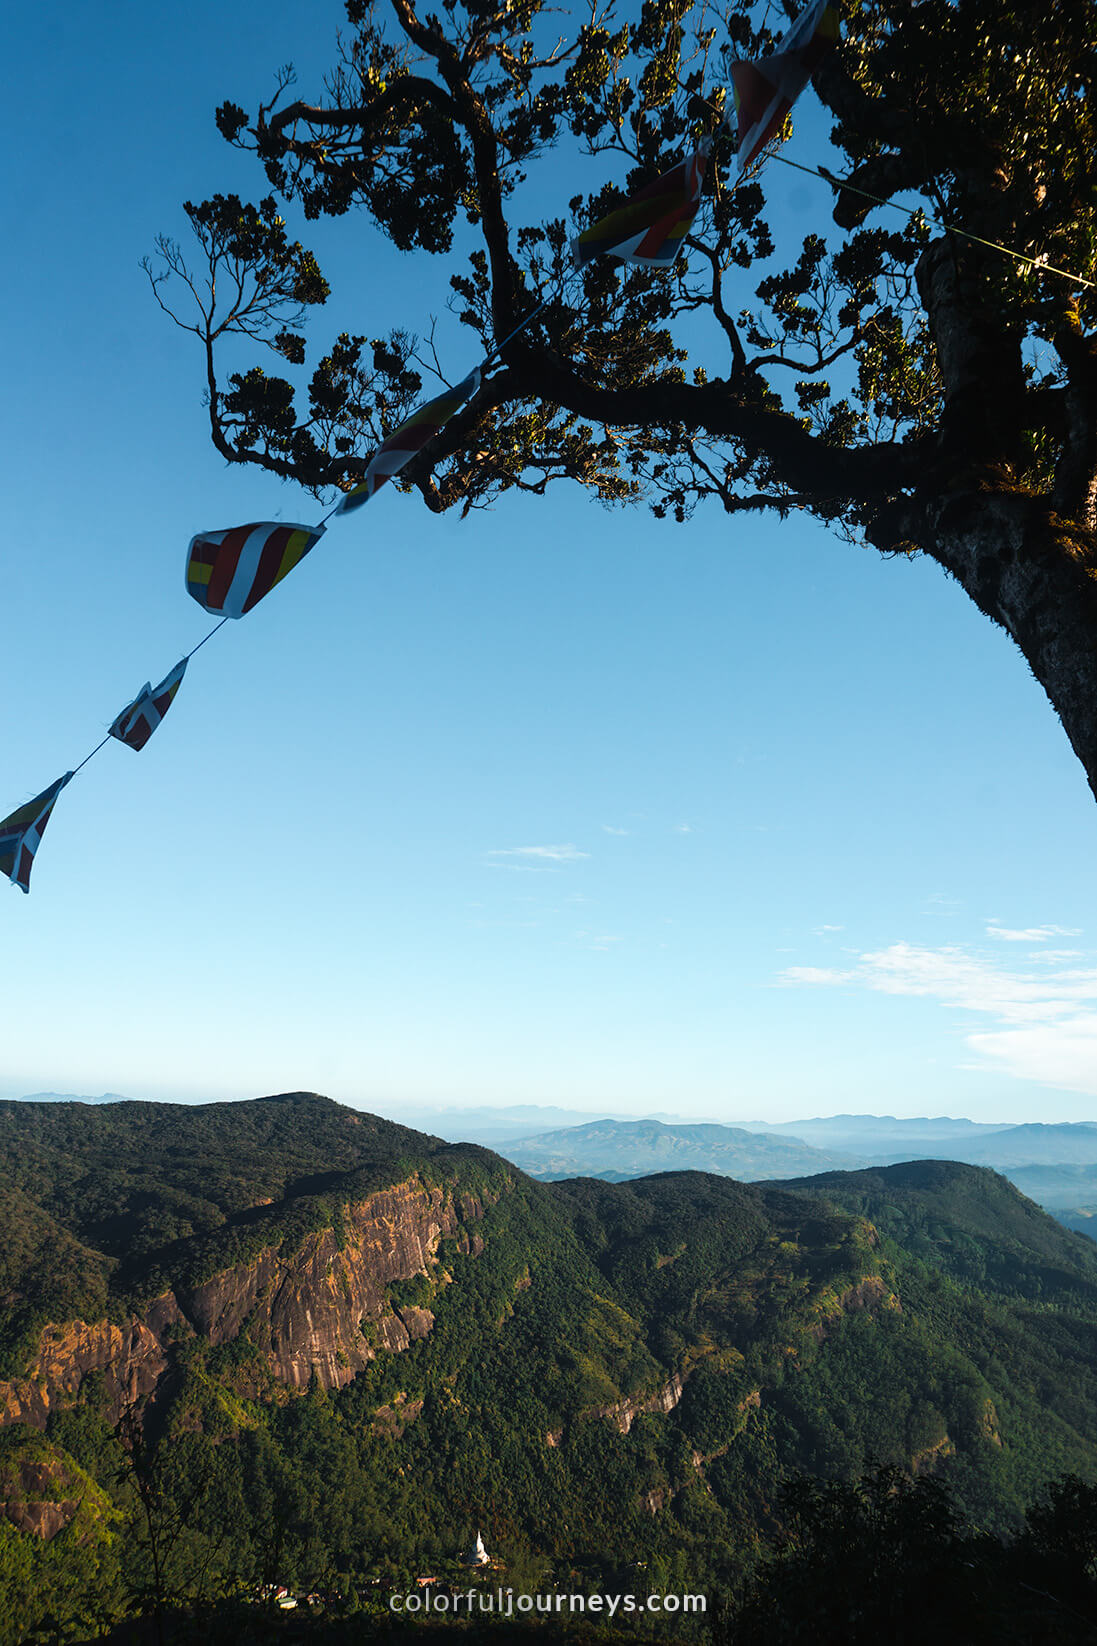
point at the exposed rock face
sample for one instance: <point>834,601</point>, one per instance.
<point>394,1419</point>
<point>871,1293</point>
<point>305,1311</point>
<point>30,1504</point>
<point>989,1424</point>
<point>925,1461</point>
<point>131,1358</point>
<point>625,1412</point>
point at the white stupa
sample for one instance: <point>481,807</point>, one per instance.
<point>477,1555</point>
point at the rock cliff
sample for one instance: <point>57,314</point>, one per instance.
<point>321,1309</point>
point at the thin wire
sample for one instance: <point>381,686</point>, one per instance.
<point>837,185</point>
<point>186,659</point>
<point>521,326</point>
<point>487,360</point>
<point>202,642</point>
<point>88,757</point>
<point>948,228</point>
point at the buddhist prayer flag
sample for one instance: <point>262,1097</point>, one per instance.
<point>765,90</point>
<point>21,834</point>
<point>402,445</point>
<point>229,572</point>
<point>650,227</point>
<point>139,719</point>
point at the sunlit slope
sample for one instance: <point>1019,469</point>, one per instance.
<point>300,1294</point>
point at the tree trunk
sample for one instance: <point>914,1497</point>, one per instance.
<point>1036,575</point>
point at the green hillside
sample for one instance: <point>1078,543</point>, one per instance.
<point>605,1379</point>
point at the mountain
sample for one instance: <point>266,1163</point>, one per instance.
<point>287,1341</point>
<point>1062,1143</point>
<point>70,1097</point>
<point>881,1135</point>
<point>967,1222</point>
<point>1068,1192</point>
<point>619,1149</point>
<point>492,1126</point>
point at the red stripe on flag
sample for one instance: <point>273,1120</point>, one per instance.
<point>754,92</point>
<point>269,561</point>
<point>225,561</point>
<point>659,233</point>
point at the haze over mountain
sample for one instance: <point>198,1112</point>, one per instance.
<point>615,1149</point>
<point>1046,1160</point>
<point>72,1097</point>
<point>1068,1192</point>
<point>1035,1143</point>
<point>879,1135</point>
<point>490,1125</point>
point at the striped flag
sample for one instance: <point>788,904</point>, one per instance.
<point>409,438</point>
<point>229,572</point>
<point>650,227</point>
<point>21,834</point>
<point>766,90</point>
<point>139,719</point>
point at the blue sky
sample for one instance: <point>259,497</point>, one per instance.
<point>551,805</point>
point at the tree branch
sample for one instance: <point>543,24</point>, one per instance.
<point>471,114</point>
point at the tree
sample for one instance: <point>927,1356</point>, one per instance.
<point>914,388</point>
<point>888,1558</point>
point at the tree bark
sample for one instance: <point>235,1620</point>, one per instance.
<point>1033,573</point>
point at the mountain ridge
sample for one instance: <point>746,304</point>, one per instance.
<point>285,1293</point>
<point>639,1147</point>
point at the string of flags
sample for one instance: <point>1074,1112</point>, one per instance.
<point>409,439</point>
<point>229,571</point>
<point>765,90</point>
<point>650,227</point>
<point>139,719</point>
<point>21,833</point>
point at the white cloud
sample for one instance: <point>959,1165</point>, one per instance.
<point>608,828</point>
<point>551,854</point>
<point>1063,1054</point>
<point>818,931</point>
<point>1030,934</point>
<point>683,828</point>
<point>601,940</point>
<point>1043,1022</point>
<point>816,974</point>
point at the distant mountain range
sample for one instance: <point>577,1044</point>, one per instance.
<point>880,1134</point>
<point>1064,1143</point>
<point>70,1097</point>
<point>1055,1164</point>
<point>484,1124</point>
<point>617,1149</point>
